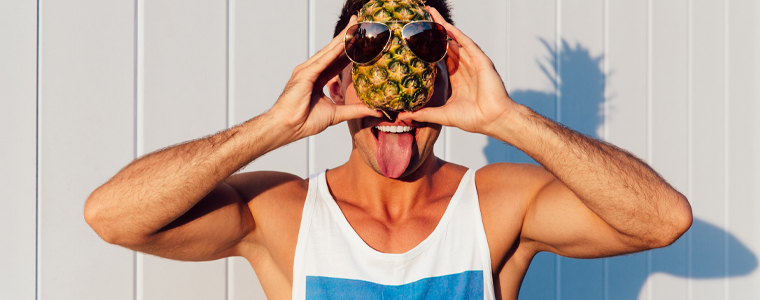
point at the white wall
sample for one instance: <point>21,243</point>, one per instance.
<point>86,86</point>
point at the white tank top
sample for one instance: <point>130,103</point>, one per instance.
<point>333,262</point>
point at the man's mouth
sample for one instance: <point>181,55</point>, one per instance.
<point>393,129</point>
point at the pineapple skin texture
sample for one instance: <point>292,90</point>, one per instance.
<point>398,80</point>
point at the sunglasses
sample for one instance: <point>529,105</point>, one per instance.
<point>365,42</point>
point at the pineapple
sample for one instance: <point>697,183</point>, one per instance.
<point>397,81</point>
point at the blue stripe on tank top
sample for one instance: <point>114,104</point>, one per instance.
<point>465,285</point>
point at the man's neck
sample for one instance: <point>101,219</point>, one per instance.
<point>394,215</point>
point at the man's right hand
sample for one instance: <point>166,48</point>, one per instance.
<point>304,107</point>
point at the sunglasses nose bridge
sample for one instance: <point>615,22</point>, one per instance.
<point>392,37</point>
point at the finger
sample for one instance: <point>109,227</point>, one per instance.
<point>454,32</point>
<point>330,61</point>
<point>453,51</point>
<point>452,57</point>
<point>427,114</point>
<point>353,111</point>
<point>437,17</point>
<point>314,71</point>
<point>338,39</point>
<point>330,66</point>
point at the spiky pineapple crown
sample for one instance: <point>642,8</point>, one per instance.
<point>393,11</point>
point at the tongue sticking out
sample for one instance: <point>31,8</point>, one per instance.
<point>394,150</point>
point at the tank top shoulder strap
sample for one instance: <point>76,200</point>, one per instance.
<point>303,232</point>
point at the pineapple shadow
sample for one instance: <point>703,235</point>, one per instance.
<point>580,83</point>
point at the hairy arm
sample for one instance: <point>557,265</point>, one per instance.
<point>600,201</point>
<point>175,202</point>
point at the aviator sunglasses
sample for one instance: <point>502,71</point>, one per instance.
<point>365,42</point>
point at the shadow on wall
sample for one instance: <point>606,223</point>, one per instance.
<point>581,86</point>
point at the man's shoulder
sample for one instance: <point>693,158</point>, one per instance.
<point>511,181</point>
<point>275,201</point>
<point>521,173</point>
<point>505,194</point>
<point>260,185</point>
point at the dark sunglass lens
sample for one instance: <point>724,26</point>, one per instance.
<point>428,40</point>
<point>365,41</point>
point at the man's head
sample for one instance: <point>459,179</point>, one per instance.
<point>352,7</point>
<point>389,152</point>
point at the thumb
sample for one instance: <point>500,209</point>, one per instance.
<point>427,114</point>
<point>353,111</point>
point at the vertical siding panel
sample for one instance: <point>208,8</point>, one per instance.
<point>263,62</point>
<point>581,93</point>
<point>485,22</point>
<point>626,84</point>
<point>626,119</point>
<point>332,147</point>
<point>243,281</point>
<point>707,121</point>
<point>743,131</point>
<point>532,36</point>
<point>86,134</point>
<point>670,130</point>
<point>326,14</point>
<point>18,129</point>
<point>184,98</point>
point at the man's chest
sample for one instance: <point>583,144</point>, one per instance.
<point>387,232</point>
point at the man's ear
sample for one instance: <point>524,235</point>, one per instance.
<point>335,91</point>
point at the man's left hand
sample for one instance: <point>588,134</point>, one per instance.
<point>479,102</point>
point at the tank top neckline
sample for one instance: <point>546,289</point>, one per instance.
<point>358,242</point>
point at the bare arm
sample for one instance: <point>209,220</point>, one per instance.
<point>595,200</point>
<point>180,202</point>
<point>136,207</point>
<point>600,200</point>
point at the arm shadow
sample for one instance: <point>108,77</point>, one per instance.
<point>577,101</point>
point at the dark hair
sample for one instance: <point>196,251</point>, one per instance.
<point>352,7</point>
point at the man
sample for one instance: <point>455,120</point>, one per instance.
<point>432,229</point>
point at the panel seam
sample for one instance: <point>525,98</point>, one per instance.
<point>38,219</point>
<point>690,141</point>
<point>726,167</point>
<point>649,129</point>
<point>558,117</point>
<point>311,146</point>
<point>138,258</point>
<point>605,114</point>
<point>230,95</point>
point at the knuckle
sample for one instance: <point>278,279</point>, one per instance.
<point>297,70</point>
